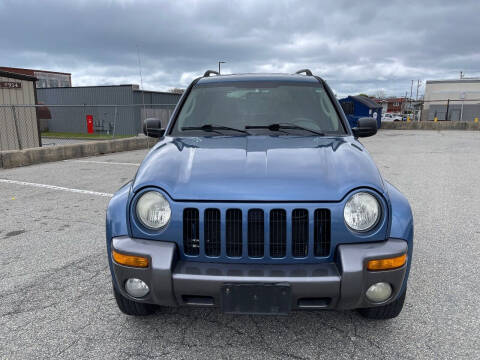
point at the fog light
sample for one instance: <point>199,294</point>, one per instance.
<point>136,287</point>
<point>379,292</point>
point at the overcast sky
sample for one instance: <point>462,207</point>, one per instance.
<point>357,46</point>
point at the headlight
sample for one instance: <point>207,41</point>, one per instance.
<point>362,211</point>
<point>153,210</point>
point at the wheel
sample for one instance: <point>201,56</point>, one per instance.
<point>130,307</point>
<point>388,311</point>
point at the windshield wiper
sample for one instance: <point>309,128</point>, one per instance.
<point>286,126</point>
<point>213,128</point>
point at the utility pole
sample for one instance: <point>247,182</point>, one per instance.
<point>219,63</point>
<point>416,96</point>
<point>411,94</point>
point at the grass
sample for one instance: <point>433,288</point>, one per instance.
<point>67,135</point>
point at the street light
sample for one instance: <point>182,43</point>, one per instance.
<point>219,63</point>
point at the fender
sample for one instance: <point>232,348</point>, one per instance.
<point>116,220</point>
<point>401,222</point>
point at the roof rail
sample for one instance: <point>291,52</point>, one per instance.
<point>306,71</point>
<point>209,72</point>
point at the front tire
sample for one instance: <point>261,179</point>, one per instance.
<point>130,307</point>
<point>384,312</point>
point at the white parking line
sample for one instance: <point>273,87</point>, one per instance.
<point>104,162</point>
<point>53,187</point>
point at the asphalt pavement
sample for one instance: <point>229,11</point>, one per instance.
<point>55,289</point>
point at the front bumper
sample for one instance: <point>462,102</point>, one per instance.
<point>337,285</point>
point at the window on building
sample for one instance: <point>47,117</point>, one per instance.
<point>53,83</point>
<point>41,83</point>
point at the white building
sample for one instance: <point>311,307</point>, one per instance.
<point>456,99</point>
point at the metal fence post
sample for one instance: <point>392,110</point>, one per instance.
<point>448,105</point>
<point>114,121</point>
<point>16,127</point>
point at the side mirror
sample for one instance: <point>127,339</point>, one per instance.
<point>367,126</point>
<point>153,127</point>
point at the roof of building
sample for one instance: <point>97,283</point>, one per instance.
<point>462,80</point>
<point>258,77</point>
<point>366,101</point>
<point>29,71</point>
<point>12,75</point>
<point>133,86</point>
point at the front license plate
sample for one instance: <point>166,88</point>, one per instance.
<point>266,299</point>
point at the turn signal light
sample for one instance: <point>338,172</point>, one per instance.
<point>130,260</point>
<point>387,264</point>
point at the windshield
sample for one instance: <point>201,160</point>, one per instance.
<point>223,108</point>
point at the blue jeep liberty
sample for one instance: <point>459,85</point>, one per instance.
<point>259,199</point>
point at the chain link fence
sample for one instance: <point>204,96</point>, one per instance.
<point>18,127</point>
<point>27,126</point>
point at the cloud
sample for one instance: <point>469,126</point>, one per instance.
<point>356,46</point>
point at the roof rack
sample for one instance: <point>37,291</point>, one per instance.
<point>306,71</point>
<point>209,72</point>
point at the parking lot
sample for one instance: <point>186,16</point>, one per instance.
<point>56,299</point>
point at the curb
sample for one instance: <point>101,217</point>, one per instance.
<point>15,158</point>
<point>431,125</point>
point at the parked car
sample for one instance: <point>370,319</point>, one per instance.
<point>259,199</point>
<point>391,117</point>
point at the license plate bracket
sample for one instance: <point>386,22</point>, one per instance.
<point>262,299</point>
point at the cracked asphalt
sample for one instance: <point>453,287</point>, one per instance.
<point>56,300</point>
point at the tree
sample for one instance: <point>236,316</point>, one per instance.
<point>176,91</point>
<point>380,94</point>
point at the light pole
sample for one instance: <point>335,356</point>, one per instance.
<point>219,63</point>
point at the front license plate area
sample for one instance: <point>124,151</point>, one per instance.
<point>266,299</point>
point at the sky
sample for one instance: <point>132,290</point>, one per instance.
<point>372,47</point>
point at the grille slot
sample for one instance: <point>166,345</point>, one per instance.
<point>234,232</point>
<point>191,240</point>
<point>256,233</point>
<point>321,232</point>
<point>299,233</point>
<point>278,233</point>
<point>211,223</point>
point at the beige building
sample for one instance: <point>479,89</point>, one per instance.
<point>18,124</point>
<point>456,99</point>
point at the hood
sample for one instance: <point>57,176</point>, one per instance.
<point>258,168</point>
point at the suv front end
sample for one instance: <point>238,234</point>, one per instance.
<point>260,224</point>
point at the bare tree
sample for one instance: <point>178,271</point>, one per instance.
<point>176,91</point>
<point>380,94</point>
